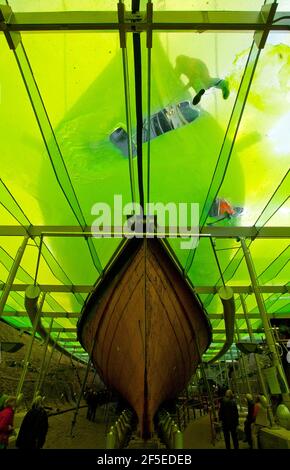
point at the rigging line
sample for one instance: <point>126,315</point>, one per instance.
<point>46,247</point>
<point>128,122</point>
<point>227,130</point>
<point>82,223</point>
<point>191,254</point>
<point>13,198</point>
<point>272,215</point>
<point>274,261</point>
<point>217,260</point>
<point>273,195</point>
<point>80,216</point>
<point>139,116</point>
<point>38,259</point>
<point>13,216</point>
<point>211,296</point>
<point>138,99</point>
<point>281,18</point>
<point>235,132</point>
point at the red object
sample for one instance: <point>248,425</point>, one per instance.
<point>257,407</point>
<point>225,208</point>
<point>6,423</point>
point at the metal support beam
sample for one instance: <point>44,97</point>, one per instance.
<point>12,274</point>
<point>72,289</point>
<point>29,349</point>
<point>74,329</point>
<point>264,317</point>
<point>243,363</point>
<point>39,381</point>
<point>119,232</point>
<point>260,375</point>
<point>268,14</point>
<point>211,316</point>
<point>198,21</point>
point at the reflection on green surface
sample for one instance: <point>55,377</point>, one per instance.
<point>83,95</point>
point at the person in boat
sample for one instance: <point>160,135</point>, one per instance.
<point>34,427</point>
<point>6,421</point>
<point>198,77</point>
<point>222,209</point>
<point>229,417</point>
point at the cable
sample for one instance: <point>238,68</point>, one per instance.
<point>217,260</point>
<point>281,18</point>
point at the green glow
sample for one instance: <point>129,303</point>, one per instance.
<point>82,91</point>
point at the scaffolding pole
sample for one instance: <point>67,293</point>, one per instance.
<point>265,320</point>
<point>12,274</point>
<point>29,349</point>
<point>42,367</point>
<point>243,361</point>
<point>48,362</point>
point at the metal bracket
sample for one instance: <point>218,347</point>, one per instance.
<point>13,37</point>
<point>135,23</point>
<point>122,29</point>
<point>149,24</point>
<point>267,15</point>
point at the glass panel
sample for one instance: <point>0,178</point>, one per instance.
<point>207,5</point>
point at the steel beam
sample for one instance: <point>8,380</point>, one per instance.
<point>74,329</point>
<point>276,360</point>
<point>207,231</point>
<point>198,21</point>
<point>12,274</point>
<point>73,289</point>
<point>212,316</point>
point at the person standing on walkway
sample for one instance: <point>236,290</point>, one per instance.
<point>229,416</point>
<point>34,427</point>
<point>249,420</point>
<point>6,421</point>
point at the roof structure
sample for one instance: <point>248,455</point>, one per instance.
<point>68,81</point>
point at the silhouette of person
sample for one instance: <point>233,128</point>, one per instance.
<point>198,77</point>
<point>34,427</point>
<point>249,420</point>
<point>229,416</point>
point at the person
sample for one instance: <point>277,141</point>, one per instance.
<point>3,398</point>
<point>221,208</point>
<point>198,77</point>
<point>6,421</point>
<point>34,427</point>
<point>261,420</point>
<point>229,416</point>
<point>249,420</point>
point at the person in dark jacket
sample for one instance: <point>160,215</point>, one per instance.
<point>34,427</point>
<point>229,416</point>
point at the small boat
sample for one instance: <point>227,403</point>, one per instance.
<point>144,329</point>
<point>165,120</point>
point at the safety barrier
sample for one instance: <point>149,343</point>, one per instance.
<point>120,432</point>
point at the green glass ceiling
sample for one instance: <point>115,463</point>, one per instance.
<point>62,95</point>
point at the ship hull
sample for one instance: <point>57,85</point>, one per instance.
<point>144,329</point>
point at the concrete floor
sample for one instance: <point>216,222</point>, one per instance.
<point>89,435</point>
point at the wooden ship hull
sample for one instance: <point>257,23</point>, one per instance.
<point>141,326</point>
